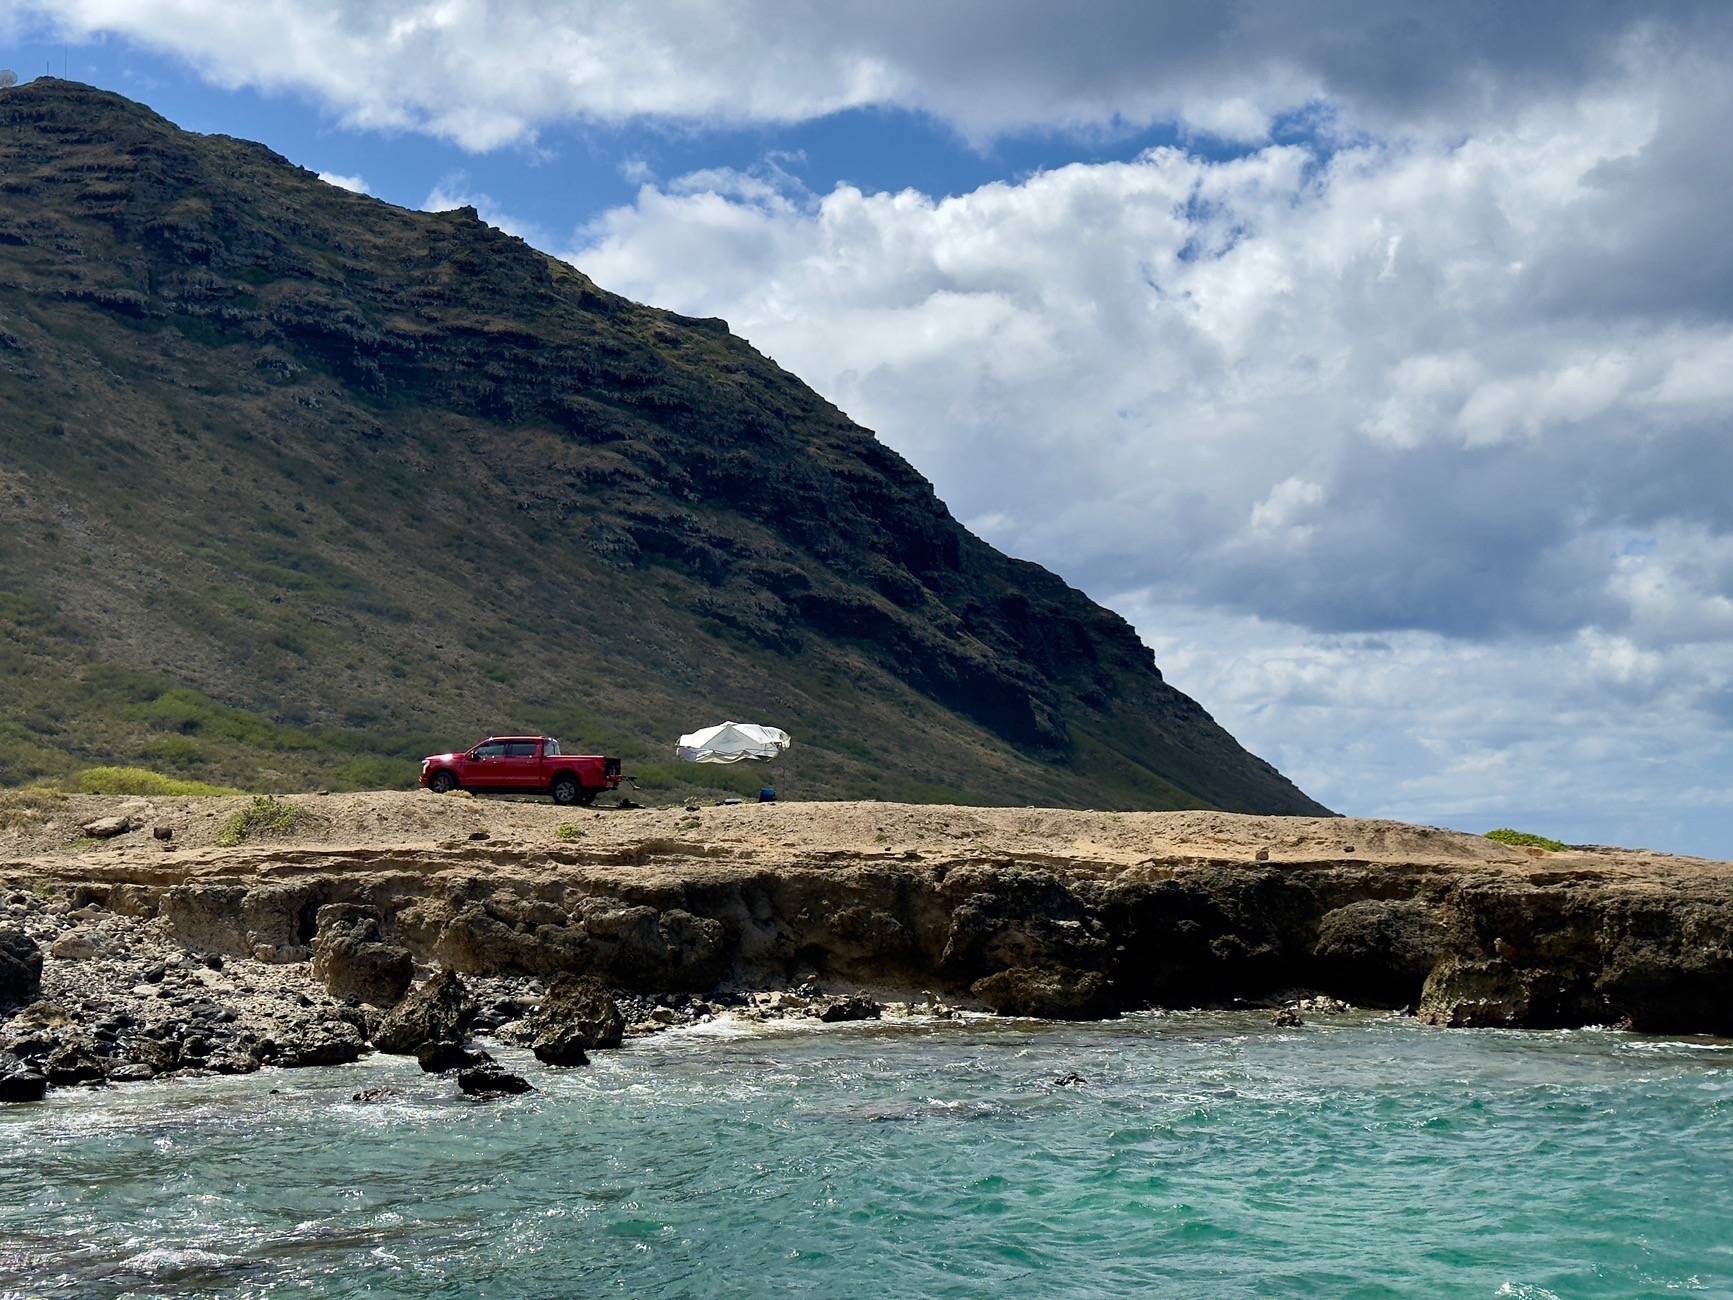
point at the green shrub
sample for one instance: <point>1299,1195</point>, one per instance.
<point>176,751</point>
<point>265,815</point>
<point>741,779</point>
<point>1523,839</point>
<point>567,831</point>
<point>141,780</point>
<point>374,774</point>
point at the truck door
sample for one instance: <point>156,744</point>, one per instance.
<point>482,767</point>
<point>520,768</point>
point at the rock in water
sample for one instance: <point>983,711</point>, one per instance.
<point>351,959</point>
<point>1286,1018</point>
<point>849,1008</point>
<point>20,968</point>
<point>485,1082</point>
<point>20,1083</point>
<point>577,1015</point>
<point>1050,992</point>
<point>439,1010</point>
<point>1467,994</point>
<point>437,1058</point>
<point>73,1063</point>
<point>321,1042</point>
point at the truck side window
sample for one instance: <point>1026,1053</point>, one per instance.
<point>489,751</point>
<point>521,749</point>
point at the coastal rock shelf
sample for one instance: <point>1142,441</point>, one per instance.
<point>1023,911</point>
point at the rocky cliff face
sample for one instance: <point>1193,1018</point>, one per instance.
<point>1030,912</point>
<point>295,484</point>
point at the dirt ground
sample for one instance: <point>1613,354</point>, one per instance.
<point>48,830</point>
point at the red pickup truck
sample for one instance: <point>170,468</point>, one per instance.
<point>522,765</point>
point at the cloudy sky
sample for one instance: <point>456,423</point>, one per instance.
<point>1374,359</point>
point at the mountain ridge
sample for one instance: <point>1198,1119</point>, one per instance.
<point>296,482</point>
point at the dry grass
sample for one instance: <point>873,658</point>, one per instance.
<point>28,806</point>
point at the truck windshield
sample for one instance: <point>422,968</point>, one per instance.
<point>550,747</point>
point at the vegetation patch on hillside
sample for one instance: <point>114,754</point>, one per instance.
<point>1525,840</point>
<point>141,780</point>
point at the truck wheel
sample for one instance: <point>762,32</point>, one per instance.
<point>565,789</point>
<point>442,783</point>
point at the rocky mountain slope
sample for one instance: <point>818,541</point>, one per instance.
<point>296,486</point>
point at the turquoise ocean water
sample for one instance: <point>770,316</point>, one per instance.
<point>1205,1154</point>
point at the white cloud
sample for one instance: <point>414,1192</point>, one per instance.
<point>1289,502</point>
<point>1589,738</point>
<point>354,184</point>
<point>487,74</point>
<point>1312,395</point>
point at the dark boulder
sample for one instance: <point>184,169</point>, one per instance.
<point>848,1008</point>
<point>18,1082</point>
<point>319,1042</point>
<point>437,1058</point>
<point>577,1015</point>
<point>233,1063</point>
<point>20,968</point>
<point>439,1010</point>
<point>1050,992</point>
<point>486,1082</point>
<point>73,1063</point>
<point>351,958</point>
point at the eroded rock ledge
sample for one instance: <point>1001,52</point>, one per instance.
<point>1026,911</point>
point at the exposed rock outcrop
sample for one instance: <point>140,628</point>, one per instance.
<point>438,1011</point>
<point>577,1016</point>
<point>1469,994</point>
<point>1051,992</point>
<point>1032,912</point>
<point>20,968</point>
<point>351,959</point>
<point>1378,952</point>
<point>328,1041</point>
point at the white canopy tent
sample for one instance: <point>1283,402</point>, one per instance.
<point>730,742</point>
